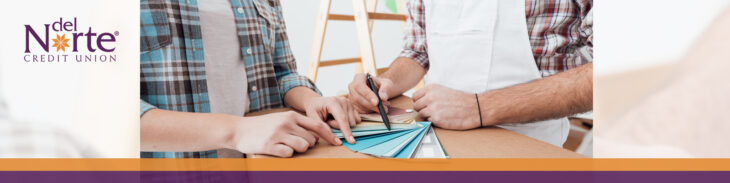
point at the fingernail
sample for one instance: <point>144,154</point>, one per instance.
<point>339,142</point>
<point>352,139</point>
<point>374,101</point>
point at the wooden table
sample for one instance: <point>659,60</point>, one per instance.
<point>491,142</point>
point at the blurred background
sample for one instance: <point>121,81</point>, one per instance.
<point>634,34</point>
<point>70,109</point>
<point>659,90</point>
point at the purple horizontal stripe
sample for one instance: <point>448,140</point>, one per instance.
<point>361,177</point>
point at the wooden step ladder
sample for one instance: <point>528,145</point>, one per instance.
<point>363,15</point>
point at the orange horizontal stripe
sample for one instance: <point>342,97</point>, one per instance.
<point>365,165</point>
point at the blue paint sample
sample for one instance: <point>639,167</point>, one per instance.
<point>401,142</point>
<point>369,141</point>
<point>408,151</point>
<point>391,147</point>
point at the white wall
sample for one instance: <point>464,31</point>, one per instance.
<point>630,34</point>
<point>340,41</point>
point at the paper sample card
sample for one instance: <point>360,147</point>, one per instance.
<point>395,115</point>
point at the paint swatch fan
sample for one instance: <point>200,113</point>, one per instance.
<point>373,138</point>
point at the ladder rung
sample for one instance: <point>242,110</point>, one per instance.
<point>338,62</point>
<point>374,16</point>
<point>387,16</point>
<point>341,17</point>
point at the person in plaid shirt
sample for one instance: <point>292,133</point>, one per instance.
<point>204,64</point>
<point>493,62</point>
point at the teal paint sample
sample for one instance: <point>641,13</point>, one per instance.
<point>391,147</point>
<point>370,141</point>
<point>408,151</point>
<point>375,140</point>
<point>359,131</point>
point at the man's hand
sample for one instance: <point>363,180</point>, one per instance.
<point>447,108</point>
<point>279,134</point>
<point>335,111</point>
<point>363,98</point>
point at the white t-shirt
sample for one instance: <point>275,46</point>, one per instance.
<point>224,66</point>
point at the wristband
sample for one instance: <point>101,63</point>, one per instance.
<point>479,109</point>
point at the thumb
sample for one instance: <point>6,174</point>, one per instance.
<point>383,93</point>
<point>383,90</point>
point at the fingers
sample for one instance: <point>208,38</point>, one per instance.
<point>280,150</point>
<point>383,87</point>
<point>318,127</point>
<point>304,134</point>
<point>333,123</point>
<point>386,103</point>
<point>295,142</point>
<point>368,95</point>
<point>352,113</point>
<point>361,110</point>
<point>362,94</point>
<point>362,104</point>
<point>418,105</point>
<point>355,116</point>
<point>386,106</point>
<point>420,93</point>
<point>347,133</point>
<point>343,122</point>
<point>420,100</point>
<point>349,110</point>
<point>426,114</point>
<point>316,138</point>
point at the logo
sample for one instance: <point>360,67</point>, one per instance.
<point>68,44</point>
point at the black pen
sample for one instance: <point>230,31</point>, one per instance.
<point>383,114</point>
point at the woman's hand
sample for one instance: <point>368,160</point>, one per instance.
<point>279,134</point>
<point>335,111</point>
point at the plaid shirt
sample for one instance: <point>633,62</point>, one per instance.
<point>560,32</point>
<point>172,65</point>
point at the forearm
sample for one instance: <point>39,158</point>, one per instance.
<point>299,97</point>
<point>164,130</point>
<point>405,74</point>
<point>560,95</point>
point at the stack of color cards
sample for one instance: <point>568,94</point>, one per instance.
<point>395,115</point>
<point>375,139</point>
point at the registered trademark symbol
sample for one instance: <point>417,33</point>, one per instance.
<point>116,33</point>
